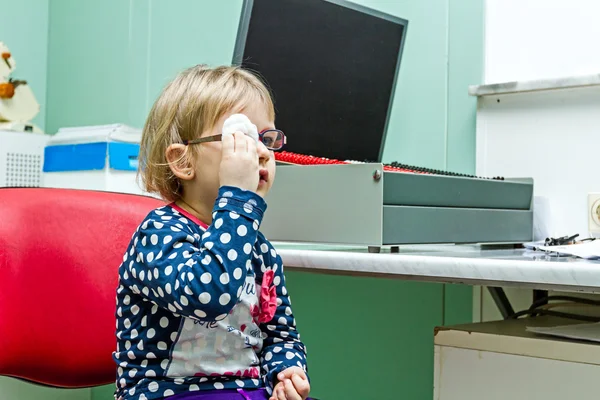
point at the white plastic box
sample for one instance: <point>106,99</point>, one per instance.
<point>103,157</point>
<point>21,159</point>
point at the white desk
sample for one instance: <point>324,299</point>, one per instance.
<point>467,366</point>
<point>469,265</point>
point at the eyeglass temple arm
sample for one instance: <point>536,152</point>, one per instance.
<point>215,138</point>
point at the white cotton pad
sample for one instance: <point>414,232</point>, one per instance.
<point>240,123</point>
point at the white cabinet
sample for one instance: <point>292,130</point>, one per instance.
<point>500,360</point>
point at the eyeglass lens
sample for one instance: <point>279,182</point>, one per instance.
<point>272,139</point>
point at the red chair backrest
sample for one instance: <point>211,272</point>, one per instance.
<point>60,251</point>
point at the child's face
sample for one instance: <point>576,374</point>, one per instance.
<point>207,167</point>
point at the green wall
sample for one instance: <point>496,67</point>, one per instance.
<point>106,62</point>
<point>109,63</point>
<point>24,29</point>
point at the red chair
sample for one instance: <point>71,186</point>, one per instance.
<point>59,254</point>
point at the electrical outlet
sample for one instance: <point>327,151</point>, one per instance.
<point>594,214</point>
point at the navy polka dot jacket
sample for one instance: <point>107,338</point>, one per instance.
<point>203,307</point>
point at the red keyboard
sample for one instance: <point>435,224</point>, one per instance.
<point>301,159</point>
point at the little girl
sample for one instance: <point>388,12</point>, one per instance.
<point>202,307</point>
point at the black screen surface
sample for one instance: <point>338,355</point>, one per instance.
<point>331,69</point>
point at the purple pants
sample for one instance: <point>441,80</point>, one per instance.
<point>233,394</point>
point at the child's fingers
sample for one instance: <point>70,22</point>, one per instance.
<point>241,144</point>
<point>290,391</point>
<point>276,391</point>
<point>302,386</point>
<point>251,145</point>
<point>288,372</point>
<point>228,144</point>
<point>282,395</point>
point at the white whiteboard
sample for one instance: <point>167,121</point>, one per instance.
<point>539,39</point>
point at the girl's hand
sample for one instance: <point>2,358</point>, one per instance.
<point>239,162</point>
<point>293,385</point>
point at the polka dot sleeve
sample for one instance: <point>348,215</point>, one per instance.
<point>193,275</point>
<point>282,346</point>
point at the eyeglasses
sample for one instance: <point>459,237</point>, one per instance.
<point>273,139</point>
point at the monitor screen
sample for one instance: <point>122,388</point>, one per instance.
<point>331,66</point>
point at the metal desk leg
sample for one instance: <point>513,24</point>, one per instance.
<point>501,301</point>
<point>540,296</point>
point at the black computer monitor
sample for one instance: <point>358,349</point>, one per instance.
<point>332,67</point>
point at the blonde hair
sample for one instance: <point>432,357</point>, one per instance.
<point>188,106</point>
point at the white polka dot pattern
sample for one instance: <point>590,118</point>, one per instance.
<point>173,270</point>
<point>213,262</point>
<point>282,328</point>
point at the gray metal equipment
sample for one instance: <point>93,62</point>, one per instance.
<point>359,204</point>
